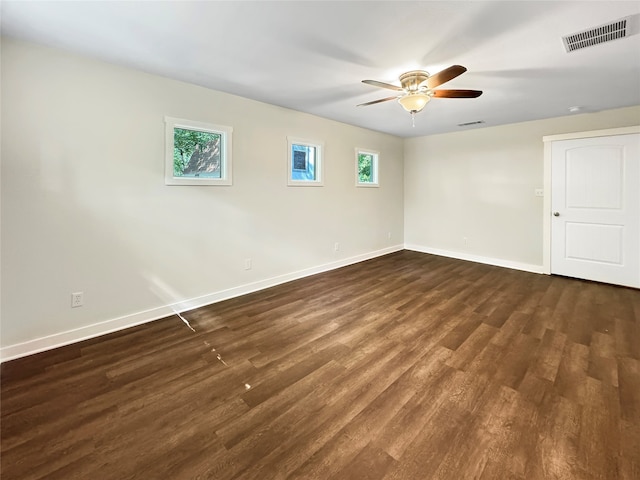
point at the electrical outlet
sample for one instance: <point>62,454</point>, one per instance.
<point>336,247</point>
<point>389,235</point>
<point>539,192</point>
<point>247,264</point>
<point>465,240</point>
<point>77,299</point>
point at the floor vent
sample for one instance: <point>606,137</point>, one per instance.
<point>477,122</point>
<point>621,28</point>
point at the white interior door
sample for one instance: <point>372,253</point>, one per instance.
<point>595,203</point>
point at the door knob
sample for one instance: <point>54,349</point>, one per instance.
<point>556,214</point>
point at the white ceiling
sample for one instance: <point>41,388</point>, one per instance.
<point>312,55</point>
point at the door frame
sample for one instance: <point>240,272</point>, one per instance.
<point>546,203</point>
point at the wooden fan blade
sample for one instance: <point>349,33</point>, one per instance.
<point>445,75</point>
<point>377,101</point>
<point>376,83</point>
<point>457,93</point>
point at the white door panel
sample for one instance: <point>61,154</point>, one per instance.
<point>594,242</point>
<point>596,175</point>
<point>595,199</point>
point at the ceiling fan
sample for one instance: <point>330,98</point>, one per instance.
<point>418,88</point>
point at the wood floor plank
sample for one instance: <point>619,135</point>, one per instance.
<point>600,414</point>
<point>465,326</point>
<point>429,448</point>
<point>556,451</point>
<point>548,355</point>
<point>473,345</point>
<point>372,463</point>
<point>266,390</point>
<point>410,419</point>
<point>341,408</point>
<point>516,361</point>
<point>534,388</point>
<point>571,379</point>
<point>629,389</point>
<point>625,334</point>
<point>337,408</point>
<point>630,455</point>
<point>493,435</point>
<point>369,423</point>
<point>408,366</point>
<point>277,420</point>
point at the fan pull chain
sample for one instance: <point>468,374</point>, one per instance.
<point>413,119</point>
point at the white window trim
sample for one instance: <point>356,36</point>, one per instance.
<point>375,166</point>
<point>226,166</point>
<point>319,146</point>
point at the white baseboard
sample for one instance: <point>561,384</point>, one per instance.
<point>527,267</point>
<point>56,340</point>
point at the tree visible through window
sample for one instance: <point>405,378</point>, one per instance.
<point>366,168</point>
<point>196,154</point>
<point>365,164</point>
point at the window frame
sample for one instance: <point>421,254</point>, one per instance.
<point>226,157</point>
<point>318,163</point>
<point>374,167</point>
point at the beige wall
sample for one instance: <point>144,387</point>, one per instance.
<point>85,208</point>
<point>480,184</point>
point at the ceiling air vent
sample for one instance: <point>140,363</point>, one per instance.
<point>477,122</point>
<point>621,28</point>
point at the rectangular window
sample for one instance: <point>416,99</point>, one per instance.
<point>304,164</point>
<point>366,168</point>
<point>197,153</point>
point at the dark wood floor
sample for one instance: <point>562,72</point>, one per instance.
<point>408,366</point>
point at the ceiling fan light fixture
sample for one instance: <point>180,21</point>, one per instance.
<point>414,102</point>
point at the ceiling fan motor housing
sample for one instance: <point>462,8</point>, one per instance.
<point>412,80</point>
